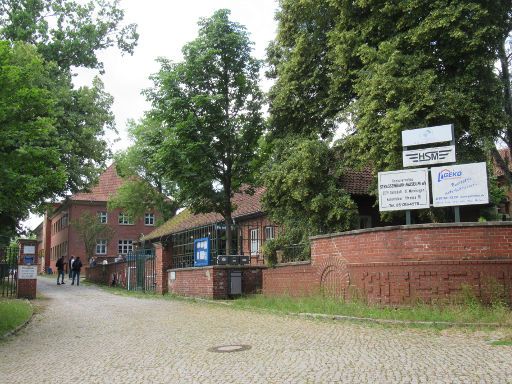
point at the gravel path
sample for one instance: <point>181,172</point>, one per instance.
<point>86,335</point>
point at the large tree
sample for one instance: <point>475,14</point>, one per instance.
<point>505,131</point>
<point>210,105</point>
<point>31,169</point>
<point>146,186</point>
<point>385,66</point>
<point>64,125</point>
<point>68,32</point>
<point>303,193</point>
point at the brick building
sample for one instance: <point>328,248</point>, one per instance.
<point>58,238</point>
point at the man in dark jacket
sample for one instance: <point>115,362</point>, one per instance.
<point>60,270</point>
<point>77,265</point>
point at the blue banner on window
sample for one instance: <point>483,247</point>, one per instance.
<point>201,252</point>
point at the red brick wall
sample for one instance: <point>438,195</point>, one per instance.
<point>403,263</point>
<point>405,282</point>
<point>294,279</point>
<point>162,263</point>
<point>212,282</point>
<point>103,274</point>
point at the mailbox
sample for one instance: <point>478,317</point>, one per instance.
<point>222,260</point>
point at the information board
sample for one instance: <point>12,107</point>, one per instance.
<point>26,272</point>
<point>29,249</point>
<point>426,156</point>
<point>427,135</point>
<point>464,184</point>
<point>202,252</point>
<point>402,190</point>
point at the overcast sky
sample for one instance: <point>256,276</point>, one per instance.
<point>164,27</point>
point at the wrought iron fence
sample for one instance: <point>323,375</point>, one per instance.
<point>140,270</point>
<point>8,271</point>
<point>183,244</point>
<point>247,240</point>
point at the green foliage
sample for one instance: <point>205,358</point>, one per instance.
<point>67,32</point>
<point>301,192</point>
<point>146,187</point>
<point>90,230</point>
<point>382,67</point>
<point>13,313</point>
<point>52,134</point>
<point>210,105</point>
<point>29,144</point>
<point>288,247</point>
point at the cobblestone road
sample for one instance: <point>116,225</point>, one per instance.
<point>86,335</point>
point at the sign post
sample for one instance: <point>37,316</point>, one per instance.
<point>27,269</point>
<point>452,185</point>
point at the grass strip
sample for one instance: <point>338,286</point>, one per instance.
<point>470,312</point>
<point>449,313</point>
<point>13,313</point>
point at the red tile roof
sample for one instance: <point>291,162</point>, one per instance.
<point>245,204</point>
<point>108,184</point>
<point>357,182</point>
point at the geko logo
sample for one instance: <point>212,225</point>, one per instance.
<point>447,174</point>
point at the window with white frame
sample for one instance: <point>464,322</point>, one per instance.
<point>101,247</point>
<point>102,216</point>
<point>269,233</point>
<point>125,219</point>
<point>125,246</point>
<point>149,219</point>
<point>255,241</point>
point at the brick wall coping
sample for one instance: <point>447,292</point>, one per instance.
<point>292,263</point>
<point>431,262</point>
<point>416,226</point>
<point>219,267</point>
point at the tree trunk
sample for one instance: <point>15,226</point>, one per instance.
<point>507,107</point>
<point>229,234</point>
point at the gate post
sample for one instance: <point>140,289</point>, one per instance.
<point>27,269</point>
<point>162,263</point>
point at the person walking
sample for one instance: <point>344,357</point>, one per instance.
<point>77,265</point>
<point>70,266</point>
<point>60,270</point>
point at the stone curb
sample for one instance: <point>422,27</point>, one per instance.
<point>21,326</point>
<point>390,321</point>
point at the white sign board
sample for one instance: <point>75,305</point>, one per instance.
<point>437,155</point>
<point>26,272</point>
<point>427,135</point>
<point>29,249</point>
<point>402,190</point>
<point>463,184</point>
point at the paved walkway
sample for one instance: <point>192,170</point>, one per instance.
<point>86,335</point>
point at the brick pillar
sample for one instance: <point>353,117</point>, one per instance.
<point>163,263</point>
<point>27,269</point>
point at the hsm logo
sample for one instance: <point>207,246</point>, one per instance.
<point>447,174</point>
<point>428,156</point>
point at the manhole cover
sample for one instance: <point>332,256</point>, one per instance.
<point>229,348</point>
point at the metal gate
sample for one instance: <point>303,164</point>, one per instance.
<point>140,270</point>
<point>9,271</point>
